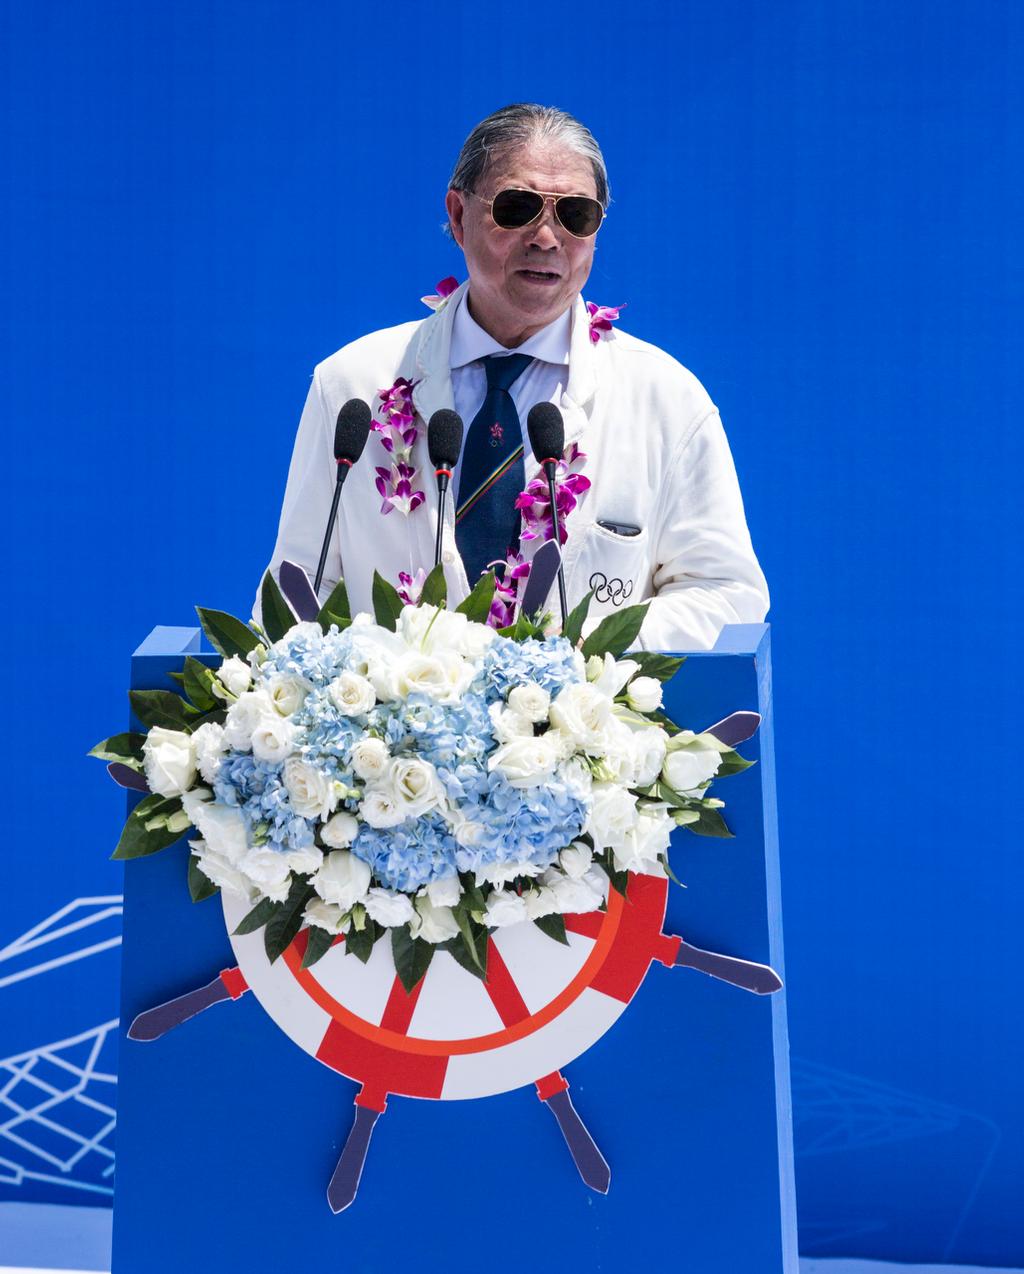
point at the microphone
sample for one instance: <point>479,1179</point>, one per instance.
<point>444,445</point>
<point>546,428</point>
<point>350,435</point>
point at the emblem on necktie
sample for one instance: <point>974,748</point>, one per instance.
<point>497,434</point>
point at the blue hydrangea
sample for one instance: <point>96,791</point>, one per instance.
<point>551,663</point>
<point>410,855</point>
<point>522,824</point>
<point>256,788</point>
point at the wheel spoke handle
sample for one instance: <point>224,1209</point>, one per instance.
<point>761,979</point>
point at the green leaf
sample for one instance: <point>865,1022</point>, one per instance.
<point>198,685</point>
<point>139,840</point>
<point>477,606</point>
<point>277,614</point>
<point>664,667</point>
<point>524,629</point>
<point>710,823</point>
<point>412,956</point>
<point>319,942</point>
<point>360,942</point>
<point>457,949</point>
<point>554,927</point>
<point>227,634</point>
<point>620,882</point>
<point>258,917</point>
<point>733,763</point>
<point>387,605</point>
<point>576,618</point>
<point>616,633</point>
<point>163,708</point>
<point>126,748</point>
<point>286,922</point>
<point>335,610</point>
<point>468,940</point>
<point>435,588</point>
<point>200,886</point>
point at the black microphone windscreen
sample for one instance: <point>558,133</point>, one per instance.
<point>546,428</point>
<point>352,430</point>
<point>444,438</point>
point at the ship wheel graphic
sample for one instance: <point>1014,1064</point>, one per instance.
<point>455,1036</point>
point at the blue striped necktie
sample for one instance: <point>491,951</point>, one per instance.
<point>493,472</point>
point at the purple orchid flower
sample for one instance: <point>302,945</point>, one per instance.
<point>535,502</point>
<point>601,319</point>
<point>411,586</point>
<point>444,290</point>
<point>514,570</point>
<point>397,433</point>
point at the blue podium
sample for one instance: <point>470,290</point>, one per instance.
<point>228,1133</point>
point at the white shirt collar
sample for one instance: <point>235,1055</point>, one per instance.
<point>470,342</point>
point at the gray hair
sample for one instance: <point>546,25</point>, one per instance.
<point>518,125</point>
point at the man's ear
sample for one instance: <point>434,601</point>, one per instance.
<point>455,202</point>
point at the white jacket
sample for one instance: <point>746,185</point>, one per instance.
<point>657,459</point>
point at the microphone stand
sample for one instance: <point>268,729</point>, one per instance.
<point>343,467</point>
<point>443,478</point>
<point>550,466</point>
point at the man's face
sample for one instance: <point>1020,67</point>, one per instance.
<point>521,280</point>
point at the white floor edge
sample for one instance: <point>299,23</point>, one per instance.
<point>808,1265</point>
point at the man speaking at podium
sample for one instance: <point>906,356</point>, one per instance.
<point>653,507</point>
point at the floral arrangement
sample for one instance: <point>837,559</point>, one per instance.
<point>416,773</point>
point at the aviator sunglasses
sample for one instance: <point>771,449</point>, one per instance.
<point>513,209</point>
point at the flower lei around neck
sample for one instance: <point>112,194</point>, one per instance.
<point>398,481</point>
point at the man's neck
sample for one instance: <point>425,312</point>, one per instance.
<point>510,338</point>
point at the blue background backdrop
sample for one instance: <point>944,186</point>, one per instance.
<point>815,210</point>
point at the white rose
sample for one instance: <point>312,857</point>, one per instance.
<point>688,766</point>
<point>575,774</point>
<point>507,725</point>
<point>467,833</point>
<point>530,701</point>
<point>370,758</point>
<point>502,873</point>
<point>287,693</point>
<point>169,757</point>
<point>619,759</point>
<point>649,753</point>
<point>303,862</point>
<point>540,902</point>
<point>352,694</point>
<point>612,815</point>
<point>343,879</point>
<point>610,675</point>
<point>312,792</point>
<point>575,860</point>
<point>273,738</point>
<point>244,716</point>
<point>429,629</point>
<point>475,640</point>
<point>445,893</point>
<point>235,676</point>
<point>643,694</point>
<point>223,829</point>
<point>582,712</point>
<point>387,908</point>
<point>381,808</point>
<point>444,676</point>
<point>505,907</point>
<point>216,868</point>
<point>648,838</point>
<point>525,762</point>
<point>268,871</point>
<point>325,915</point>
<point>574,897</point>
<point>340,831</point>
<point>433,924</point>
<point>209,744</point>
<point>415,785</point>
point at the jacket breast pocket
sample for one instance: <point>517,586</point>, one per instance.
<point>616,568</point>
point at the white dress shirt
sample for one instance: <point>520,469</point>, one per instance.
<point>543,381</point>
